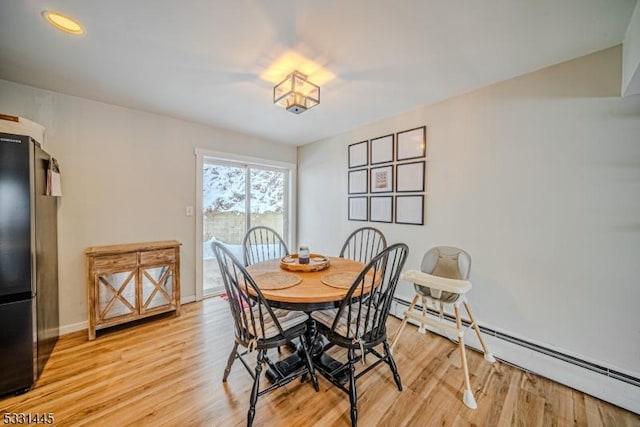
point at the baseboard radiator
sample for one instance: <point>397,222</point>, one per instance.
<point>603,370</point>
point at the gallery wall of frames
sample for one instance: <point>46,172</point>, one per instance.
<point>387,178</point>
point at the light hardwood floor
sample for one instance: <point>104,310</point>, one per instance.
<point>168,372</point>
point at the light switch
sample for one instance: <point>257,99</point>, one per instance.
<point>188,211</point>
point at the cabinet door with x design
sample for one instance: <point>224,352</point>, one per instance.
<point>116,296</point>
<point>156,278</point>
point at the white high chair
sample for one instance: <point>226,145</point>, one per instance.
<point>444,279</point>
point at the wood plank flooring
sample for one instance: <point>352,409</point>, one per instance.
<point>168,372</point>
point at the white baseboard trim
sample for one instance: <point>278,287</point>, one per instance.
<point>586,380</point>
<point>74,327</point>
<point>187,300</point>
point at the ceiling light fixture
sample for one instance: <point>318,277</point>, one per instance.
<point>296,94</point>
<point>64,23</point>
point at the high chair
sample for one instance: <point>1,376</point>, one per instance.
<point>444,279</point>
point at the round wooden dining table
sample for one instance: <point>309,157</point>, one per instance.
<point>311,293</point>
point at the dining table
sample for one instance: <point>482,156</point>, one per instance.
<point>291,286</point>
<point>314,290</point>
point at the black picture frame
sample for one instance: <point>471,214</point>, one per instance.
<point>358,181</point>
<point>358,208</point>
<point>411,143</point>
<point>381,209</point>
<point>358,154</point>
<point>381,149</point>
<point>409,209</point>
<point>381,179</point>
<point>410,177</point>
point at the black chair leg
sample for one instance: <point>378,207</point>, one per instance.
<point>255,389</point>
<point>353,394</point>
<point>309,363</point>
<point>232,358</point>
<point>392,364</point>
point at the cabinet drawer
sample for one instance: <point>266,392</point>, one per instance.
<point>109,262</point>
<point>157,256</point>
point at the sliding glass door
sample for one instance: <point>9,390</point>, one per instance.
<point>235,197</point>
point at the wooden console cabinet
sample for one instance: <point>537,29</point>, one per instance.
<point>132,281</point>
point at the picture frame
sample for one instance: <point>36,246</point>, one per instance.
<point>358,181</point>
<point>358,208</point>
<point>381,179</point>
<point>358,154</point>
<point>411,144</point>
<point>410,177</point>
<point>381,209</point>
<point>381,150</point>
<point>410,209</point>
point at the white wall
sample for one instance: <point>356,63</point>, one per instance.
<point>538,177</point>
<point>127,176</point>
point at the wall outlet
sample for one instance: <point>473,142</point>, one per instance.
<point>188,211</point>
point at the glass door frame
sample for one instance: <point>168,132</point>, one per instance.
<point>204,156</point>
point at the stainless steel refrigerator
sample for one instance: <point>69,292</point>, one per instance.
<point>28,263</point>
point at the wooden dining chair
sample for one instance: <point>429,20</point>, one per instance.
<point>444,279</point>
<point>261,244</point>
<point>363,244</point>
<point>359,324</point>
<point>258,327</point>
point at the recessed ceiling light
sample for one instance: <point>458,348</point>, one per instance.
<point>63,23</point>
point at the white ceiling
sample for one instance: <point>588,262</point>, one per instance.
<point>201,60</point>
